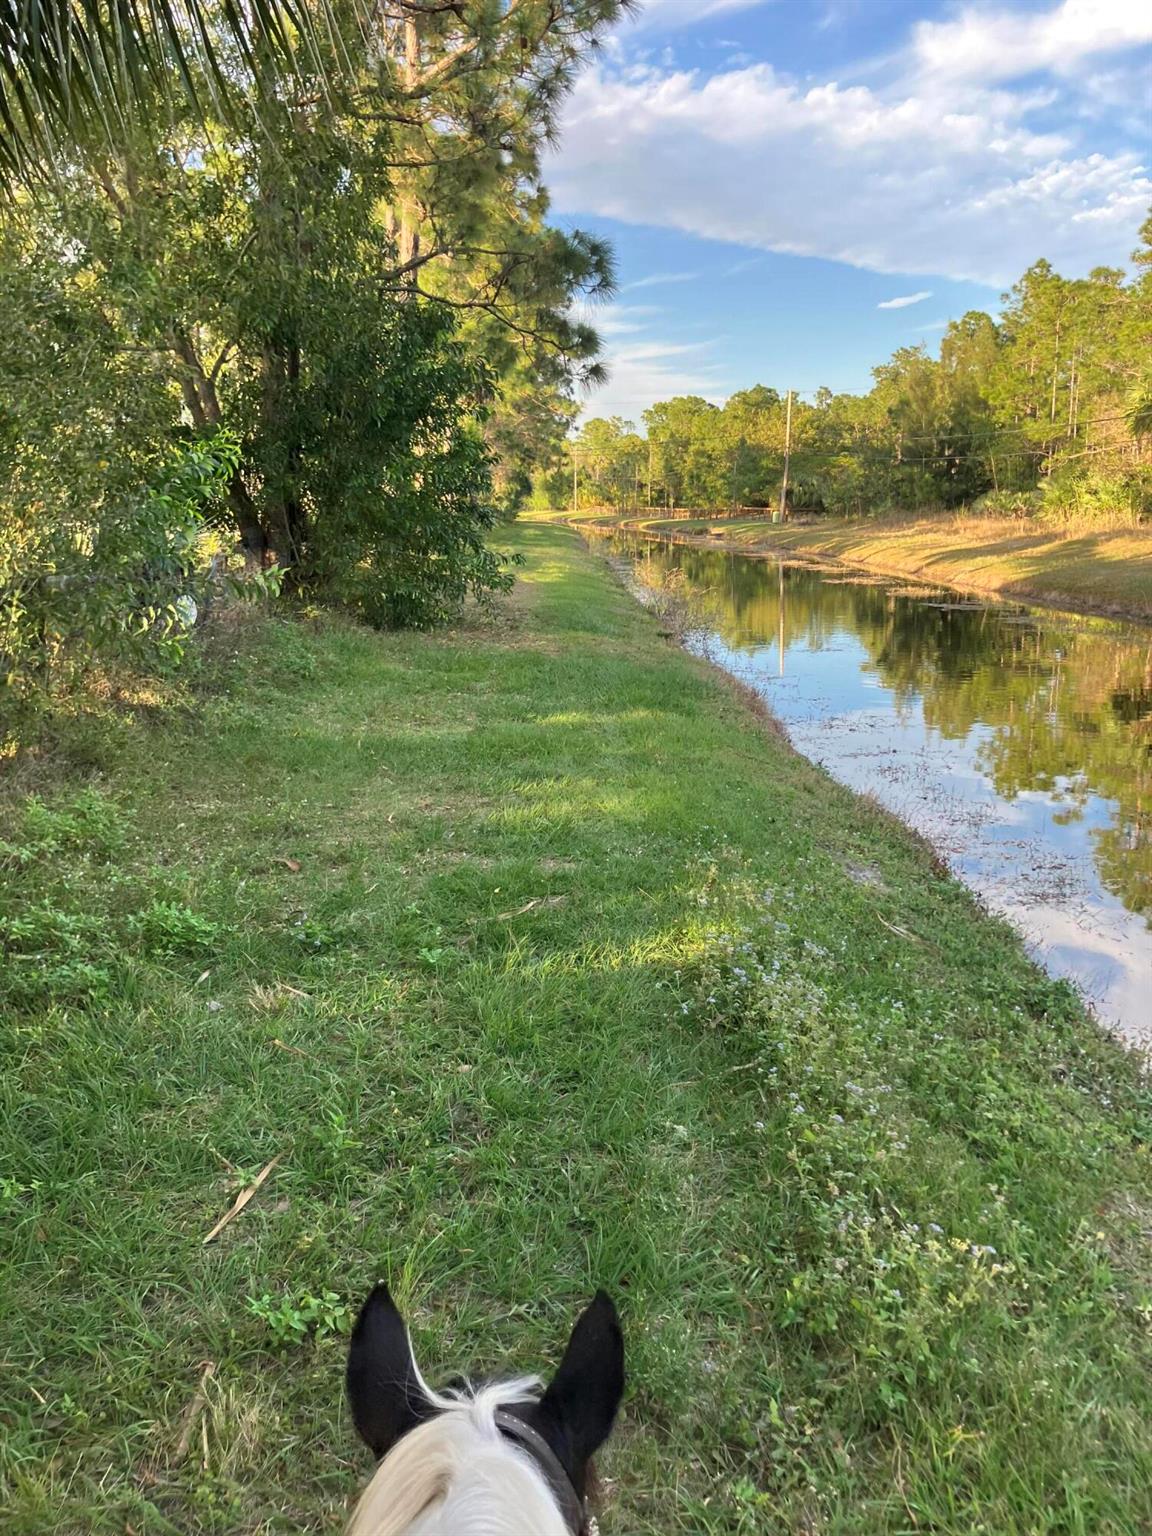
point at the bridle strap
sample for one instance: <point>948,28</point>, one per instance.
<point>570,1502</point>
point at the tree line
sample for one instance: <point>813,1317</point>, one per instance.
<point>1046,408</point>
<point>279,281</point>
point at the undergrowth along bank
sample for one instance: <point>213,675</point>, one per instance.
<point>538,963</point>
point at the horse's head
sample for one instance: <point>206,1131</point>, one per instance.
<point>513,1453</point>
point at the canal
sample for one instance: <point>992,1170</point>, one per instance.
<point>1017,740</point>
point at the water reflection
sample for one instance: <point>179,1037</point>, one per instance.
<point>1019,741</point>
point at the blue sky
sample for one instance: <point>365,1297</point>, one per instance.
<point>797,187</point>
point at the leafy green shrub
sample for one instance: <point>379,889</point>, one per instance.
<point>396,474</point>
<point>111,578</point>
<point>1075,493</point>
<point>169,928</point>
<point>1138,409</point>
<point>1020,504</point>
<point>101,492</point>
<point>291,1319</point>
<point>88,823</point>
<point>72,921</point>
<point>54,955</point>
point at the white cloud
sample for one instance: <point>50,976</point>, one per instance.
<point>657,278</point>
<point>1118,94</point>
<point>619,319</point>
<point>746,265</point>
<point>984,46</point>
<point>663,15</point>
<point>635,384</point>
<point>644,366</point>
<point>935,170</point>
<point>905,299</point>
<point>655,351</point>
<point>833,16</point>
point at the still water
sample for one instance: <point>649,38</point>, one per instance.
<point>1018,741</point>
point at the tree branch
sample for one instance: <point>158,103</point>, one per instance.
<point>452,61</point>
<point>225,354</point>
<point>417,261</point>
<point>490,307</point>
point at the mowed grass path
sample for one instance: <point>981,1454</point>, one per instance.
<point>541,963</point>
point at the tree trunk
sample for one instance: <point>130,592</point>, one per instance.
<point>203,405</point>
<point>253,538</point>
<point>287,525</point>
<point>408,235</point>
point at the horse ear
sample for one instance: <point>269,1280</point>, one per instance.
<point>585,1393</point>
<point>386,1392</point>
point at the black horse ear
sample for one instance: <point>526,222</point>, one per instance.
<point>385,1389</point>
<point>585,1392</point>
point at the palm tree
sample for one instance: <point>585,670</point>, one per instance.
<point>71,71</point>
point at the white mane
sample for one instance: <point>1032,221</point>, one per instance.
<point>457,1475</point>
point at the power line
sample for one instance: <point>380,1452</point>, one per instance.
<point>996,432</point>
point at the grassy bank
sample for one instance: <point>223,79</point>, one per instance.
<point>1107,572</point>
<point>540,963</point>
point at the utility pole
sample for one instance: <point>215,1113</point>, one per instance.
<point>575,497</point>
<point>783,512</point>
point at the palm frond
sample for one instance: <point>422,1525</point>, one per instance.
<point>74,71</point>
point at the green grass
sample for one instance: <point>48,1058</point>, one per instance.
<point>583,977</point>
<point>1090,569</point>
